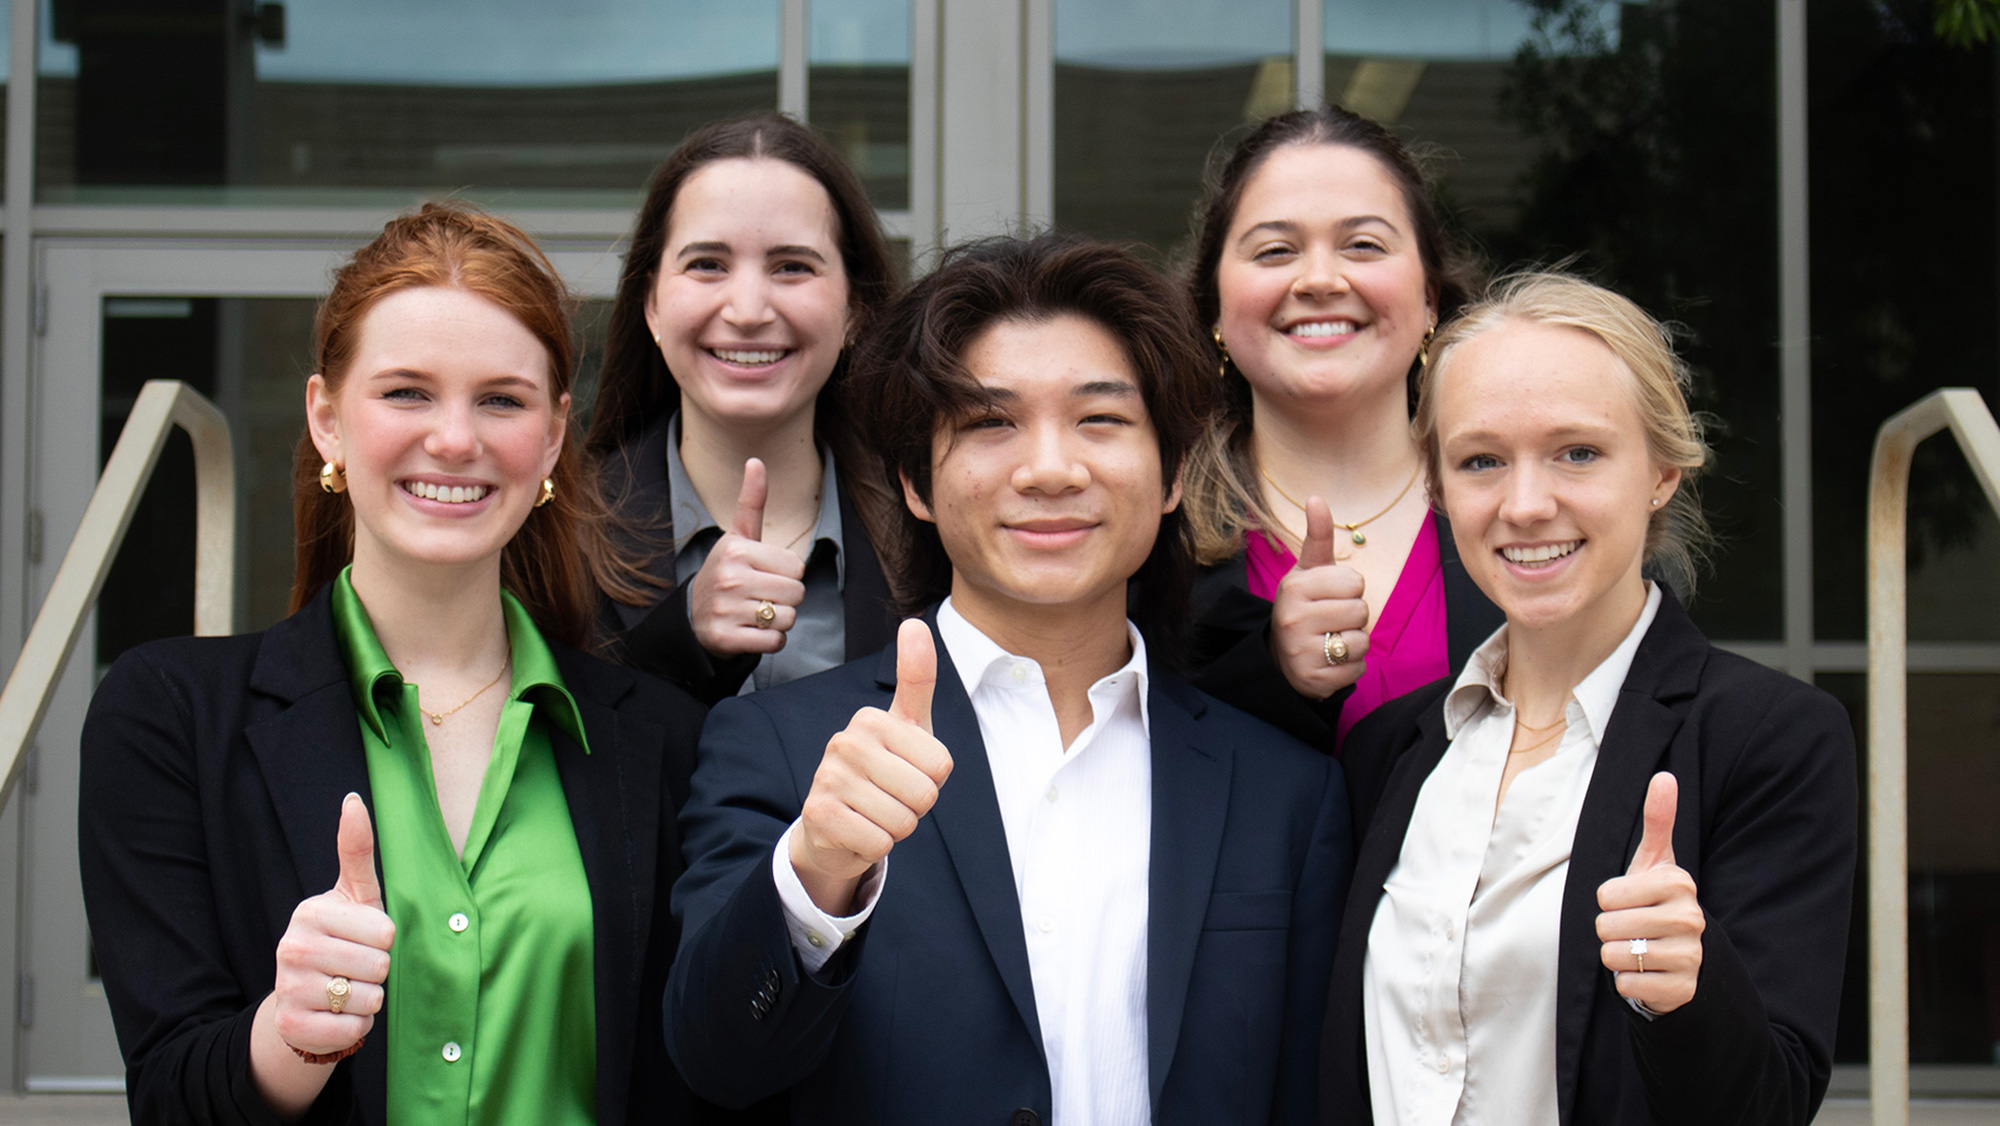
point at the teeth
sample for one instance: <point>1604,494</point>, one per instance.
<point>1324,328</point>
<point>1540,554</point>
<point>734,356</point>
<point>447,494</point>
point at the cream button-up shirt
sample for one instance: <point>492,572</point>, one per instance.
<point>1459,985</point>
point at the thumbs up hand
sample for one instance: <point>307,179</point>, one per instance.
<point>743,574</point>
<point>877,780</point>
<point>1651,920</point>
<point>341,933</point>
<point>1317,603</point>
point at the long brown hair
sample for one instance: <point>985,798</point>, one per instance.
<point>1223,499</point>
<point>635,387</point>
<point>559,557</point>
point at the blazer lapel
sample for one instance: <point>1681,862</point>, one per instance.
<point>1666,668</point>
<point>967,816</point>
<point>1190,806</point>
<point>864,596</point>
<point>618,842</point>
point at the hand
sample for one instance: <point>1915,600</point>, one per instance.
<point>877,780</point>
<point>1654,900</point>
<point>740,574</point>
<point>343,932</point>
<point>1319,597</point>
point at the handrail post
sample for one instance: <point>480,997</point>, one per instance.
<point>1962,410</point>
<point>162,404</point>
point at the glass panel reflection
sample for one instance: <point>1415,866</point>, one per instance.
<point>251,357</point>
<point>1143,88</point>
<point>1638,142</point>
<point>282,101</point>
<point>858,90</point>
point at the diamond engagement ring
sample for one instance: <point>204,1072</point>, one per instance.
<point>1638,948</point>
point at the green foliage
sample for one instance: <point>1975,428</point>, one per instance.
<point>1967,23</point>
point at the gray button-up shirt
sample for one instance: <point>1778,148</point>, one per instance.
<point>817,640</point>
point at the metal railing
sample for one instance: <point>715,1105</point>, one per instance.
<point>162,404</point>
<point>1962,410</point>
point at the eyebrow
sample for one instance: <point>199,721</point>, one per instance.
<point>1572,430</point>
<point>1118,388</point>
<point>1289,227</point>
<point>793,250</point>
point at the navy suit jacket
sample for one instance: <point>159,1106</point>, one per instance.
<point>929,1015</point>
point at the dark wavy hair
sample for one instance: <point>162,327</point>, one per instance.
<point>1222,493</point>
<point>909,380</point>
<point>635,387</point>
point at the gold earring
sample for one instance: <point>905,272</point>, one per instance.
<point>548,492</point>
<point>1221,369</point>
<point>1424,349</point>
<point>332,478</point>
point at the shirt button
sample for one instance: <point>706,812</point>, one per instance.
<point>815,939</point>
<point>451,1052</point>
<point>1020,673</point>
<point>458,921</point>
<point>1444,1064</point>
<point>1047,924</point>
<point>1052,793</point>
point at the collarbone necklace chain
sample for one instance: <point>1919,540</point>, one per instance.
<point>437,718</point>
<point>1353,527</point>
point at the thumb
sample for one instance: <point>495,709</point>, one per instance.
<point>916,673</point>
<point>749,519</point>
<point>356,845</point>
<point>1656,846</point>
<point>1317,551</point>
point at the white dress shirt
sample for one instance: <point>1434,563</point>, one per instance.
<point>1459,985</point>
<point>1078,822</point>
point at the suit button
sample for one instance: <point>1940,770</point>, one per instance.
<point>1024,1117</point>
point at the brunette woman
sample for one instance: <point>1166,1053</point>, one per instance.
<point>1321,268</point>
<point>492,810</point>
<point>1604,872</point>
<point>754,262</point>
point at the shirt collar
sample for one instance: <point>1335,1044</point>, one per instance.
<point>1596,696</point>
<point>981,662</point>
<point>536,678</point>
<point>691,517</point>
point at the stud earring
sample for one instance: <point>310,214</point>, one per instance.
<point>1656,502</point>
<point>332,478</point>
<point>548,492</point>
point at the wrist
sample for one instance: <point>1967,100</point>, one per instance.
<point>831,893</point>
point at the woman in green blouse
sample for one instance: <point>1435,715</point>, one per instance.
<point>489,946</point>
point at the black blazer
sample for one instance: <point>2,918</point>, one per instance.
<point>658,637</point>
<point>1232,637</point>
<point>213,772</point>
<point>1766,826</point>
<point>929,1016</point>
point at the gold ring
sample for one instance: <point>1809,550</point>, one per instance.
<point>1334,648</point>
<point>337,989</point>
<point>766,613</point>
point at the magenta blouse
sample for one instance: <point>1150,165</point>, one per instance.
<point>1407,648</point>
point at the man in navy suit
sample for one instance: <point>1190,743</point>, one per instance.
<point>1013,871</point>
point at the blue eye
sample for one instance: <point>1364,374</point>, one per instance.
<point>1479,461</point>
<point>1579,455</point>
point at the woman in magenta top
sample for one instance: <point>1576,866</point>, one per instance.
<point>1322,269</point>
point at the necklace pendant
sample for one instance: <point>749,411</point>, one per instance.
<point>437,721</point>
<point>1359,537</point>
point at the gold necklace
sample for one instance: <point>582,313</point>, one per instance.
<point>817,497</point>
<point>1538,730</point>
<point>1536,745</point>
<point>437,718</point>
<point>1354,527</point>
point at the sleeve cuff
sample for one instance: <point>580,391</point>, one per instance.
<point>816,935</point>
<point>1645,1012</point>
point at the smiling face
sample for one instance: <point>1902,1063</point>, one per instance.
<point>750,301</point>
<point>1322,286</point>
<point>445,426</point>
<point>1547,477</point>
<point>1048,503</point>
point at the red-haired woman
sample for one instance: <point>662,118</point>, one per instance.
<point>489,945</point>
<point>754,262</point>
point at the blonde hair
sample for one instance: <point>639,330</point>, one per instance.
<point>1678,539</point>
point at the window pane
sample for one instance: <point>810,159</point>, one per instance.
<point>327,101</point>
<point>1639,140</point>
<point>1904,289</point>
<point>1954,779</point>
<point>858,90</point>
<point>1143,88</point>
